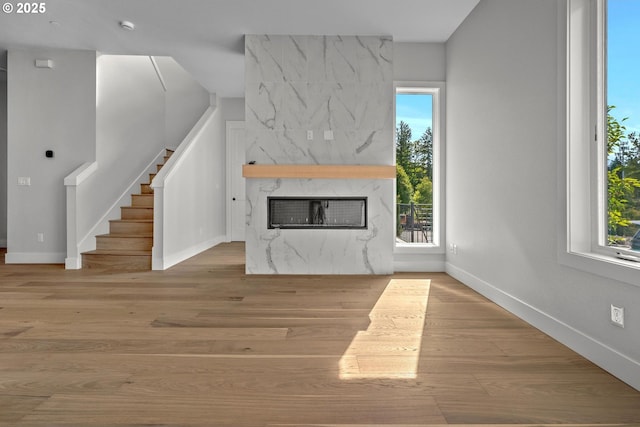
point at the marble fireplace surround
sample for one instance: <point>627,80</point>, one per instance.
<point>297,90</point>
<point>334,251</point>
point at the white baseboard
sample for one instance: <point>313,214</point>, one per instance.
<point>171,260</point>
<point>616,363</point>
<point>418,261</point>
<point>35,258</point>
<point>74,263</point>
<point>418,267</point>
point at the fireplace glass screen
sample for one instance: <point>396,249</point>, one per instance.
<point>317,212</point>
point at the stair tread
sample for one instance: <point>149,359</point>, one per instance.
<point>125,235</point>
<point>116,252</point>
<point>136,222</point>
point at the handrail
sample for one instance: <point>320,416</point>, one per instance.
<point>83,172</point>
<point>158,73</point>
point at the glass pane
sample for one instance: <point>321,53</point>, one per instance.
<point>623,130</point>
<point>414,159</point>
<point>315,212</point>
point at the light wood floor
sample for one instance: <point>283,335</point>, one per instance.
<point>204,345</point>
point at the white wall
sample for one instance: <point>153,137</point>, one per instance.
<point>190,191</point>
<point>419,62</point>
<point>502,183</point>
<point>136,120</point>
<point>47,109</point>
<point>416,63</point>
<point>194,177</point>
<point>130,131</point>
<point>3,150</point>
<point>185,100</point>
<point>232,108</point>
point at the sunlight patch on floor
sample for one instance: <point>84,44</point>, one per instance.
<point>390,347</point>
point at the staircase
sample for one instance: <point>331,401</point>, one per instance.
<point>130,240</point>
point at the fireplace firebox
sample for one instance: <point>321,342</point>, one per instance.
<point>317,212</point>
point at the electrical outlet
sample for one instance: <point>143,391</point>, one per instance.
<point>617,316</point>
<point>24,180</point>
<point>453,248</point>
<point>309,135</point>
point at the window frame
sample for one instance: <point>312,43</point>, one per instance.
<point>583,160</point>
<point>437,91</point>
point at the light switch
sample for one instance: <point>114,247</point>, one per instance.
<point>44,63</point>
<point>328,135</point>
<point>24,180</point>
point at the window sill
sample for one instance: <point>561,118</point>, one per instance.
<point>602,265</point>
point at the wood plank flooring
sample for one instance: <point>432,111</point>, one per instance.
<point>202,344</point>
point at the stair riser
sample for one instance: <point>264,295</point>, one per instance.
<point>124,243</point>
<point>144,228</point>
<point>158,167</point>
<point>115,262</point>
<point>146,189</point>
<point>136,213</point>
<point>142,200</point>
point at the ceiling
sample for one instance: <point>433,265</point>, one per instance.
<point>206,36</point>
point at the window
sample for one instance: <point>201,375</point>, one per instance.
<point>600,193</point>
<point>418,162</point>
<point>622,103</point>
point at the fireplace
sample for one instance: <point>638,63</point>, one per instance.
<point>317,212</point>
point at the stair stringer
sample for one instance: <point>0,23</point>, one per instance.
<point>88,242</point>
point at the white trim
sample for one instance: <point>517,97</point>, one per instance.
<point>73,261</point>
<point>581,196</point>
<point>618,364</point>
<point>599,163</point>
<point>438,90</point>
<point>157,250</point>
<point>78,176</point>
<point>419,263</point>
<point>35,258</point>
<point>158,73</point>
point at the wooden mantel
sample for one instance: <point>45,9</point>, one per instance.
<point>320,171</point>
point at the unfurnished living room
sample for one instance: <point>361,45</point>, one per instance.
<point>330,213</point>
